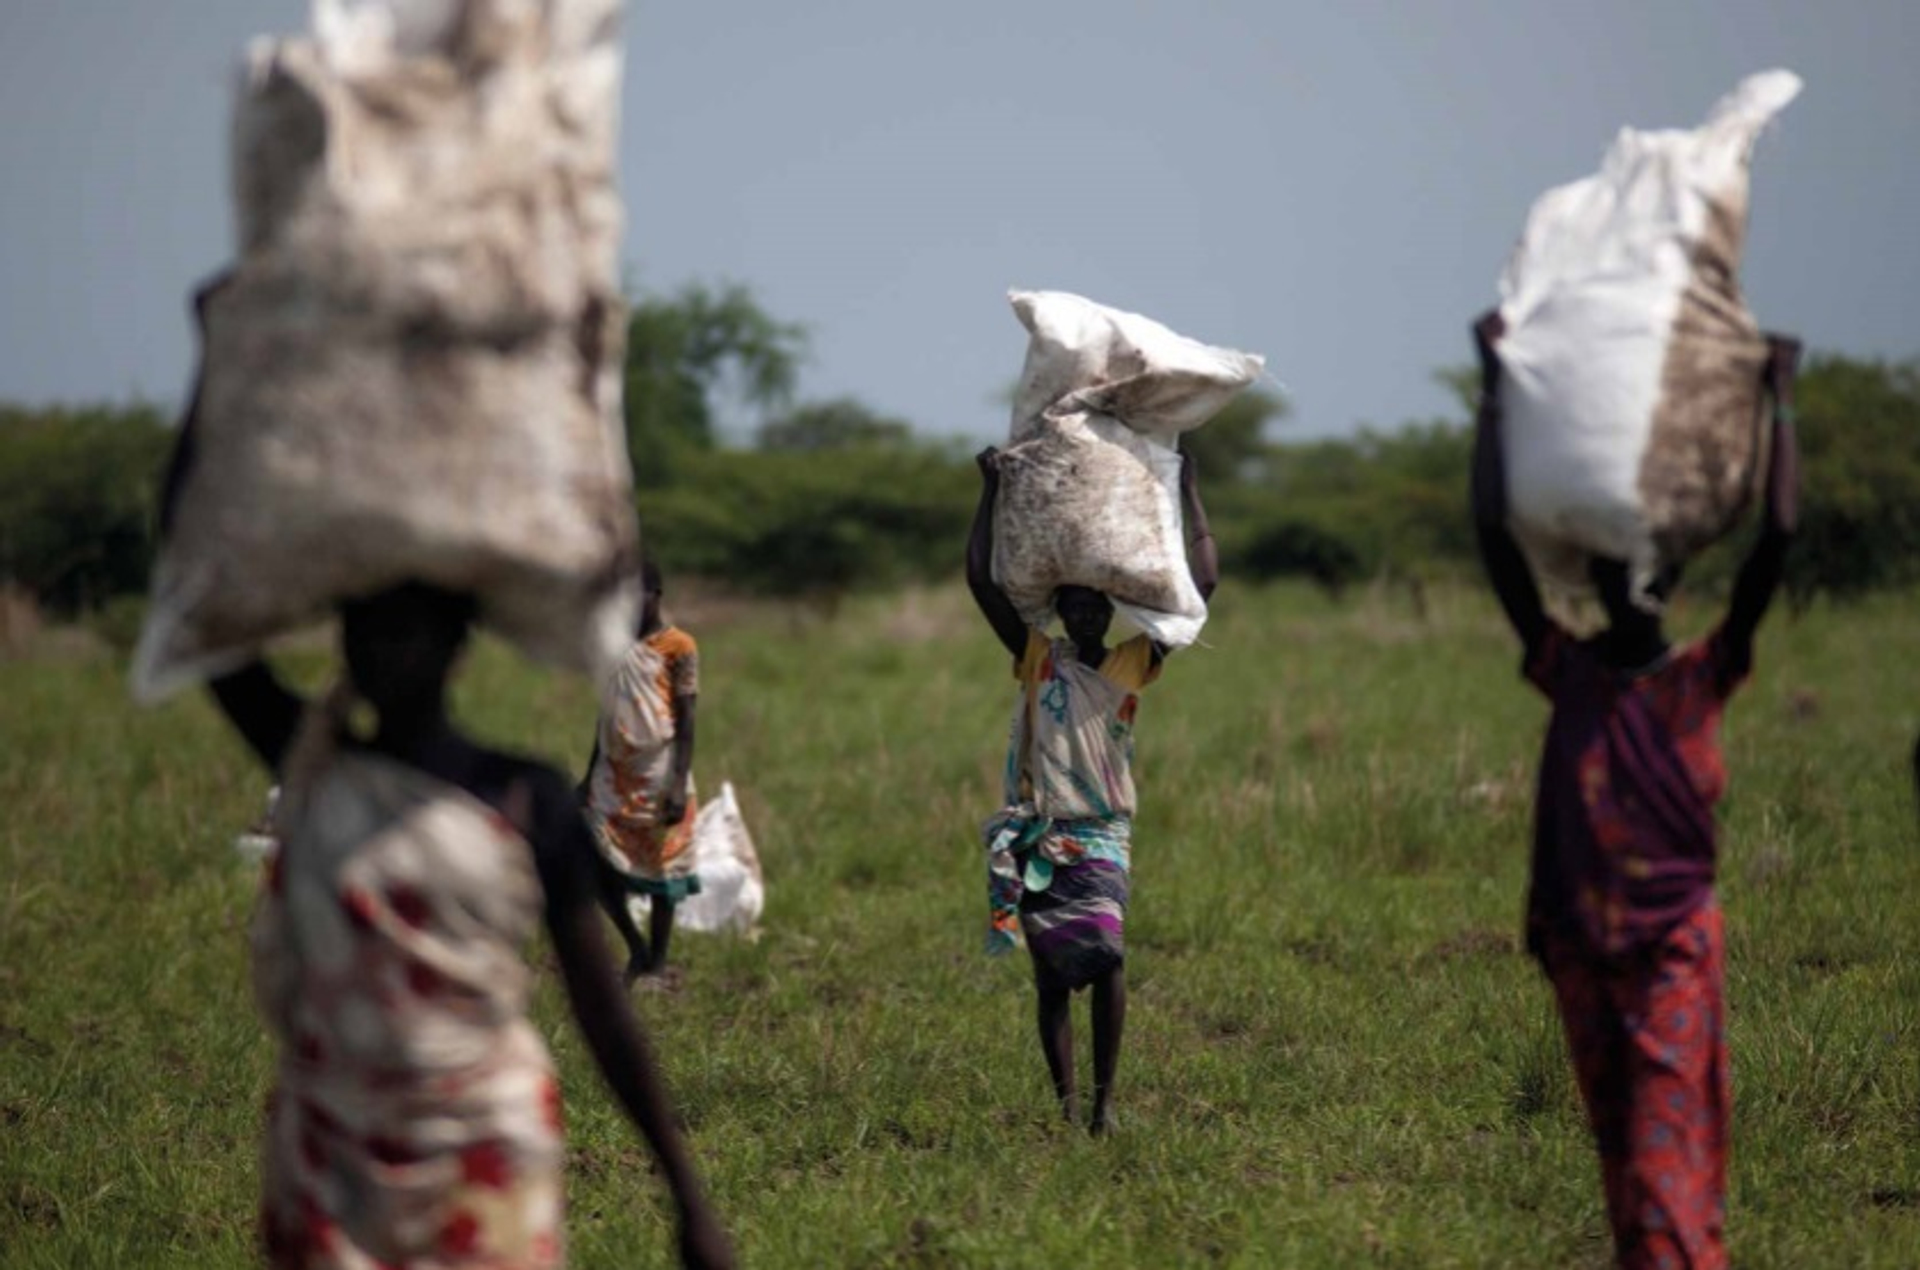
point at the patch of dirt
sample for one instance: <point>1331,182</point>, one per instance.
<point>1224,1027</point>
<point>1476,943</point>
<point>1319,736</point>
<point>20,622</point>
<point>32,1207</point>
<point>1821,963</point>
<point>12,1036</point>
<point>1316,950</point>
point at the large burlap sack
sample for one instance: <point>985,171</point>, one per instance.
<point>1631,385</point>
<point>1090,478</point>
<point>412,371</point>
<point>1087,501</point>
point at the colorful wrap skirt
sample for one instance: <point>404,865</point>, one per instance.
<point>1076,928</point>
<point>1062,884</point>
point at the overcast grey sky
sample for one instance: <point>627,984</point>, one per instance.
<point>1335,185</point>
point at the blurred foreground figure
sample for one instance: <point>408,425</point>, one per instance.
<point>415,1118</point>
<point>408,411</point>
<point>1059,851</point>
<point>1621,912</point>
<point>639,793</point>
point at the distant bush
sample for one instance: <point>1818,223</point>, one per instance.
<point>838,498</point>
<point>814,521</point>
<point>118,621</point>
<point>1296,549</point>
<point>1859,436</point>
<point>1375,504</point>
<point>78,489</point>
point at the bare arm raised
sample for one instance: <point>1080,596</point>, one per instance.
<point>1203,558</point>
<point>565,856</point>
<point>994,604</point>
<point>1766,564</point>
<point>673,804</point>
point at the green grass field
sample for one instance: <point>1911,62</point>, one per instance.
<point>1337,1055</point>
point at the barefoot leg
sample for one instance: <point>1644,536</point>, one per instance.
<point>612,894</point>
<point>660,926</point>
<point>1055,1017</point>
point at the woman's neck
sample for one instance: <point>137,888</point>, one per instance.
<point>1633,648</point>
<point>1091,653</point>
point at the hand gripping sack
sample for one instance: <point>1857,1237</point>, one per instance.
<point>412,370</point>
<point>1631,379</point>
<point>1090,479</point>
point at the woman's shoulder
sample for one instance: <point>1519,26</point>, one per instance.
<point>672,641</point>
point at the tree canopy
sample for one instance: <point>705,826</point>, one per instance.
<point>684,354</point>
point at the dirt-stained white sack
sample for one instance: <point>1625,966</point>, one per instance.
<point>733,893</point>
<point>412,370</point>
<point>1083,356</point>
<point>1631,384</point>
<point>1090,477</point>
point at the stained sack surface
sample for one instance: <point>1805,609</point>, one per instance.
<point>1631,366</point>
<point>412,368</point>
<point>1090,476</point>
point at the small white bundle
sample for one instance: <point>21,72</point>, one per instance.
<point>733,893</point>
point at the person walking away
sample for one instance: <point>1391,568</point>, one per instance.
<point>1059,851</point>
<point>1621,913</point>
<point>415,1117</point>
<point>639,792</point>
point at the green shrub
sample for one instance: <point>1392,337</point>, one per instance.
<point>78,489</point>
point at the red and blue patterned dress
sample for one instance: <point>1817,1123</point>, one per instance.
<point>1622,916</point>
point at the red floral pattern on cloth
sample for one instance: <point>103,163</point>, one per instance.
<point>1648,1038</point>
<point>1624,841</point>
<point>415,1120</point>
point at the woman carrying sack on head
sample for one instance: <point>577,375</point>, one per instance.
<point>1621,912</point>
<point>1059,851</point>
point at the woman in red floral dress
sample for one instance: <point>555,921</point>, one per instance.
<point>415,1119</point>
<point>1621,912</point>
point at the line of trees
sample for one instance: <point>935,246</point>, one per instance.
<point>831,496</point>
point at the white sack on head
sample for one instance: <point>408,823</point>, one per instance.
<point>412,371</point>
<point>732,891</point>
<point>1631,387</point>
<point>1090,480</point>
<point>1087,357</point>
<point>1087,501</point>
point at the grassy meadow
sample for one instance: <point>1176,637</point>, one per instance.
<point>1337,1053</point>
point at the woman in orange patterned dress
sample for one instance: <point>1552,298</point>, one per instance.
<point>639,793</point>
<point>415,1117</point>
